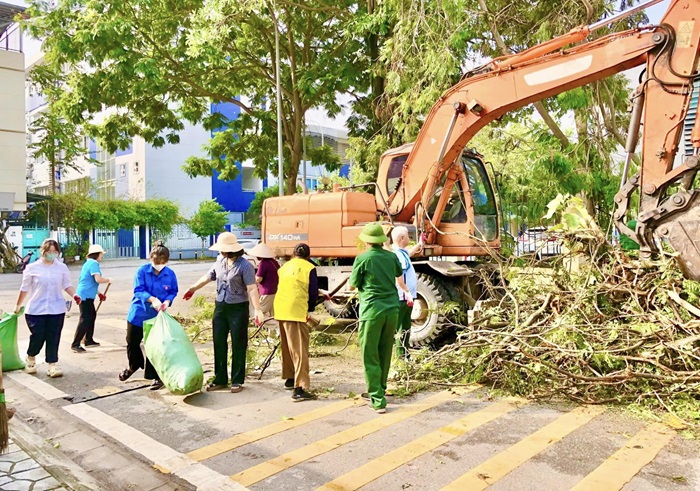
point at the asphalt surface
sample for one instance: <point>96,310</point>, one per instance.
<point>266,442</point>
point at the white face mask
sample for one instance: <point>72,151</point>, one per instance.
<point>158,267</point>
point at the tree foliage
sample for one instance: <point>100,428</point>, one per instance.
<point>158,66</point>
<point>209,219</point>
<point>79,214</point>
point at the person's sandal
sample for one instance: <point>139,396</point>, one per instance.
<point>54,372</point>
<point>30,367</point>
<point>236,388</point>
<point>124,376</point>
<point>212,387</point>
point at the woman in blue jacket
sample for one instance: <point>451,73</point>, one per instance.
<point>155,288</point>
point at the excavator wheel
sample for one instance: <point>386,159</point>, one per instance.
<point>427,323</point>
<point>340,308</point>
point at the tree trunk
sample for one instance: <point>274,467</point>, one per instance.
<point>581,121</point>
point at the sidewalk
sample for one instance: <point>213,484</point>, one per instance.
<point>19,471</point>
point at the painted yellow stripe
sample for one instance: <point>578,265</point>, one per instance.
<point>624,464</point>
<point>241,439</point>
<point>402,455</point>
<point>505,462</point>
<point>290,459</point>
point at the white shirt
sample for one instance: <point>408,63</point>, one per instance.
<point>45,284</point>
<point>409,273</point>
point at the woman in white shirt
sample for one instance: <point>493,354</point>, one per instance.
<point>44,282</point>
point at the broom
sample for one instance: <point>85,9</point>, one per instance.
<point>99,304</point>
<point>4,431</point>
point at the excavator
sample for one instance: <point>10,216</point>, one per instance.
<point>440,190</point>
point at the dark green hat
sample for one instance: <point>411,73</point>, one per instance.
<point>373,233</point>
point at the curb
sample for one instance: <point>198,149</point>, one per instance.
<point>55,462</point>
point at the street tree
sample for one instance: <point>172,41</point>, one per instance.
<point>209,219</point>
<point>154,67</point>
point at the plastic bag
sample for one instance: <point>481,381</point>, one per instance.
<point>8,342</point>
<point>170,351</point>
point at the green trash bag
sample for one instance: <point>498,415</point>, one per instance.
<point>170,351</point>
<point>8,342</point>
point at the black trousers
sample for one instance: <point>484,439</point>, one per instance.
<point>45,329</point>
<point>230,319</point>
<point>86,323</point>
<point>134,336</point>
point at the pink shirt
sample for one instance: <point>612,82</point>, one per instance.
<point>45,284</point>
<point>267,270</point>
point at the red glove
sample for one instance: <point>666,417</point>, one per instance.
<point>164,305</point>
<point>77,299</point>
<point>188,294</point>
<point>409,303</point>
<point>102,297</point>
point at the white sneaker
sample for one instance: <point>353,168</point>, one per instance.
<point>54,372</point>
<point>30,367</point>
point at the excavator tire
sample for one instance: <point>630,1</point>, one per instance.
<point>340,308</point>
<point>427,322</point>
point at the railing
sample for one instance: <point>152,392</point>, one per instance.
<point>11,39</point>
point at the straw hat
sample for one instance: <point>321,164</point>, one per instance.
<point>226,242</point>
<point>94,248</point>
<point>262,251</point>
<point>372,233</point>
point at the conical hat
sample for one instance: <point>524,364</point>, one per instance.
<point>262,251</point>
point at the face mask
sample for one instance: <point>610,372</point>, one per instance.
<point>51,256</point>
<point>158,267</point>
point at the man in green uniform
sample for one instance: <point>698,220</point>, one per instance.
<point>375,274</point>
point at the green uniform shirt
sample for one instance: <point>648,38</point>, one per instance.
<point>374,274</point>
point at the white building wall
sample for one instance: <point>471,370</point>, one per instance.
<point>164,177</point>
<point>13,187</point>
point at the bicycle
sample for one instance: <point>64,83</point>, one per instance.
<point>22,261</point>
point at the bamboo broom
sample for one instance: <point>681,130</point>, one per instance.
<point>4,430</point>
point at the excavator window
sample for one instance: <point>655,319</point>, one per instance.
<point>485,211</point>
<point>394,174</point>
<point>455,211</point>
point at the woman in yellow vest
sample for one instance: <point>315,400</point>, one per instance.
<point>296,298</point>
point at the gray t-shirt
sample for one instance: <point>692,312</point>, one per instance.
<point>232,281</point>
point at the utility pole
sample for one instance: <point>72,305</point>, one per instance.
<point>280,158</point>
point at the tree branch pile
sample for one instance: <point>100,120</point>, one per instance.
<point>597,326</point>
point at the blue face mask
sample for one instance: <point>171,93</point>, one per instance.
<point>51,256</point>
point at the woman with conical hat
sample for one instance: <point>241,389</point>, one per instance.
<point>266,277</point>
<point>235,290</point>
<point>375,274</point>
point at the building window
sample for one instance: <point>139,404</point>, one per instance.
<point>136,167</point>
<point>122,170</point>
<point>249,181</point>
<point>106,174</point>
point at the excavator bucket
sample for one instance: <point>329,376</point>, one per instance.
<point>684,237</point>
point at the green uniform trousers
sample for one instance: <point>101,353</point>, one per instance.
<point>377,331</point>
<point>403,330</point>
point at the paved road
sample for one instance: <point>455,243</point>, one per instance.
<point>260,440</point>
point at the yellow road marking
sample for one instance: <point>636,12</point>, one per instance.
<point>285,461</point>
<point>105,391</point>
<point>241,439</point>
<point>495,468</point>
<point>402,455</point>
<point>623,465</point>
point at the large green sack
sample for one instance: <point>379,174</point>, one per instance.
<point>170,351</point>
<point>8,342</point>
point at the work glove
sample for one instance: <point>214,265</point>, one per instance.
<point>188,294</point>
<point>155,303</point>
<point>164,306</point>
<point>102,297</point>
<point>77,299</point>
<point>409,300</point>
<point>259,317</point>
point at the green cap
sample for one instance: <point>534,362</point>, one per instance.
<point>373,233</point>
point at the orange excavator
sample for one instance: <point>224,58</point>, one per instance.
<point>441,191</point>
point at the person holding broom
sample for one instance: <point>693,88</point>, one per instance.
<point>88,285</point>
<point>155,288</point>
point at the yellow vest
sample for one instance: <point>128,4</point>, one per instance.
<point>292,298</point>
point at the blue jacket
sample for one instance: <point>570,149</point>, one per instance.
<point>147,284</point>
